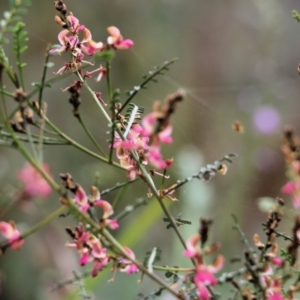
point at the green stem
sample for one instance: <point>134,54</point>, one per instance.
<point>91,136</point>
<point>44,77</point>
<point>118,185</point>
<point>19,64</point>
<point>141,267</point>
<point>119,196</point>
<point>173,269</point>
<point>79,146</point>
<point>97,102</point>
<point>8,94</point>
<point>109,90</point>
<point>44,222</point>
<point>40,225</point>
<point>46,140</point>
<point>130,208</point>
<point>144,83</point>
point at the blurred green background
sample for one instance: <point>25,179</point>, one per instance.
<point>237,61</point>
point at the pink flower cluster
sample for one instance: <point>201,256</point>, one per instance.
<point>204,274</point>
<point>146,144</point>
<point>85,203</point>
<point>292,187</point>
<point>10,232</point>
<point>90,249</point>
<point>89,246</point>
<point>70,39</point>
<point>34,184</point>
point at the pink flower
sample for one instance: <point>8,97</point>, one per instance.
<point>274,289</point>
<point>68,38</point>
<point>289,188</point>
<point>126,265</point>
<point>116,39</point>
<point>81,199</point>
<point>89,249</point>
<point>92,47</point>
<point>192,248</point>
<point>10,232</point>
<point>106,208</point>
<point>149,123</point>
<point>156,158</point>
<point>34,184</point>
<point>204,274</point>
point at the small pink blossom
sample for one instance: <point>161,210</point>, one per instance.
<point>192,248</point>
<point>91,47</point>
<point>126,265</point>
<point>106,208</point>
<point>34,184</point>
<point>81,199</point>
<point>274,289</point>
<point>10,232</point>
<point>89,249</point>
<point>116,39</point>
<point>69,40</point>
<point>289,188</point>
<point>204,274</point>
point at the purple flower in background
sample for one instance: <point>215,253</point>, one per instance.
<point>266,119</point>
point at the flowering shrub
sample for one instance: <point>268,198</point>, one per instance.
<point>266,271</point>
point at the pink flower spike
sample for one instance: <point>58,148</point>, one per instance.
<point>191,246</point>
<point>106,207</point>
<point>34,184</point>
<point>9,231</point>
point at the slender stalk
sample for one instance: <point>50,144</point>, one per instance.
<point>147,80</point>
<point>119,196</point>
<point>118,185</point>
<point>141,267</point>
<point>75,144</point>
<point>45,140</point>
<point>8,94</point>
<point>19,62</point>
<point>130,208</point>
<point>97,102</point>
<point>109,90</point>
<point>42,85</point>
<point>40,225</point>
<point>86,130</point>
